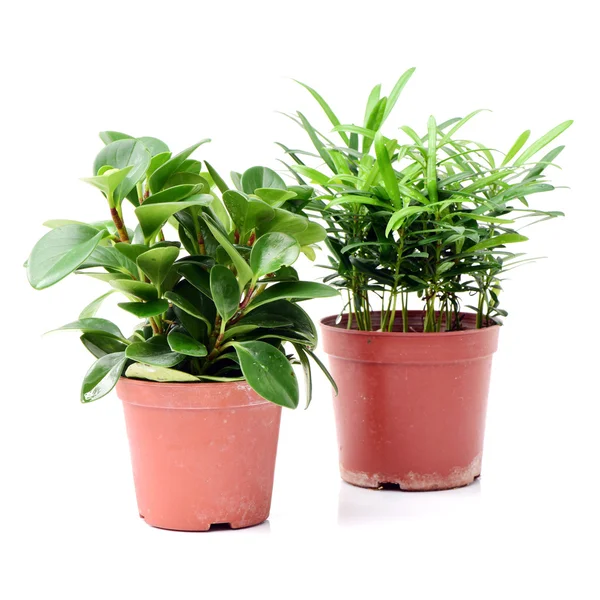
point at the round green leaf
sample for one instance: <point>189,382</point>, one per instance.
<point>156,354</point>
<point>261,177</point>
<point>124,153</point>
<point>274,197</point>
<point>102,376</point>
<point>184,344</point>
<point>268,372</point>
<point>296,290</point>
<point>313,234</point>
<point>153,216</point>
<point>174,194</point>
<point>92,308</point>
<point>187,306</point>
<point>112,136</point>
<point>196,275</point>
<point>157,262</point>
<point>100,344</point>
<point>108,179</point>
<point>110,258</point>
<point>145,310</point>
<point>284,222</point>
<point>225,291</point>
<point>154,145</point>
<point>131,251</point>
<point>60,252</point>
<point>162,174</point>
<point>161,374</point>
<point>139,289</point>
<point>244,272</point>
<point>272,251</point>
<point>93,325</point>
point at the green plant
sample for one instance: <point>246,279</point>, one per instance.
<point>431,216</point>
<point>217,305</point>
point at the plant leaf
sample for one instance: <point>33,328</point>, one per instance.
<point>272,251</point>
<point>161,374</point>
<point>218,180</point>
<point>324,369</point>
<point>297,290</point>
<point>157,354</point>
<point>432,160</point>
<point>261,177</point>
<point>187,306</point>
<point>102,376</point>
<point>396,91</point>
<point>499,240</point>
<point>112,136</point>
<point>145,310</point>
<point>196,275</point>
<point>541,142</point>
<point>326,109</point>
<point>152,217</point>
<point>121,154</point>
<point>225,291</point>
<point>93,325</point>
<point>92,308</point>
<point>274,197</point>
<point>307,372</point>
<point>516,147</point>
<point>268,372</point>
<point>139,289</point>
<point>162,174</point>
<point>387,172</point>
<point>100,344</point>
<point>184,344</point>
<point>244,272</point>
<point>157,262</point>
<point>60,252</point>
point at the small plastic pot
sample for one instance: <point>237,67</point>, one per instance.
<point>411,406</point>
<point>202,454</point>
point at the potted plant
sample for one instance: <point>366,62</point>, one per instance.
<point>429,220</point>
<point>204,375</point>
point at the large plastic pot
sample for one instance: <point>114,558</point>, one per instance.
<point>202,454</point>
<point>411,406</point>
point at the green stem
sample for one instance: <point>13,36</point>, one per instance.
<point>405,312</point>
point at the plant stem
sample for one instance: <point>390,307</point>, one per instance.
<point>405,312</point>
<point>118,221</point>
<point>154,325</point>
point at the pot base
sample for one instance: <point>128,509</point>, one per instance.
<point>416,482</point>
<point>207,526</point>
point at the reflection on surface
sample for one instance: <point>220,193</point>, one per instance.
<point>361,506</point>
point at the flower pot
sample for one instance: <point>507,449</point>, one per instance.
<point>411,406</point>
<point>202,453</point>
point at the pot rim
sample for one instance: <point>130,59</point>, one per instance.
<point>216,395</point>
<point>326,323</point>
<point>179,384</point>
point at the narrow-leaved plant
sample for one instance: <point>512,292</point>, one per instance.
<point>432,215</point>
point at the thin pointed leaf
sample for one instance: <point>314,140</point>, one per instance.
<point>541,142</point>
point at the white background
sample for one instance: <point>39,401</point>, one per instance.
<point>183,71</point>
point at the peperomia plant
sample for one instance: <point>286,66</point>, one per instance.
<point>430,216</point>
<point>218,304</point>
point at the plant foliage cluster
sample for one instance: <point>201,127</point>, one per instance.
<point>434,215</point>
<point>217,304</point>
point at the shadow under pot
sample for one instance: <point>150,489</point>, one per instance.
<point>411,406</point>
<point>202,453</point>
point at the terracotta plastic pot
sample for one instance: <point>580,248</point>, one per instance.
<point>411,406</point>
<point>202,453</point>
